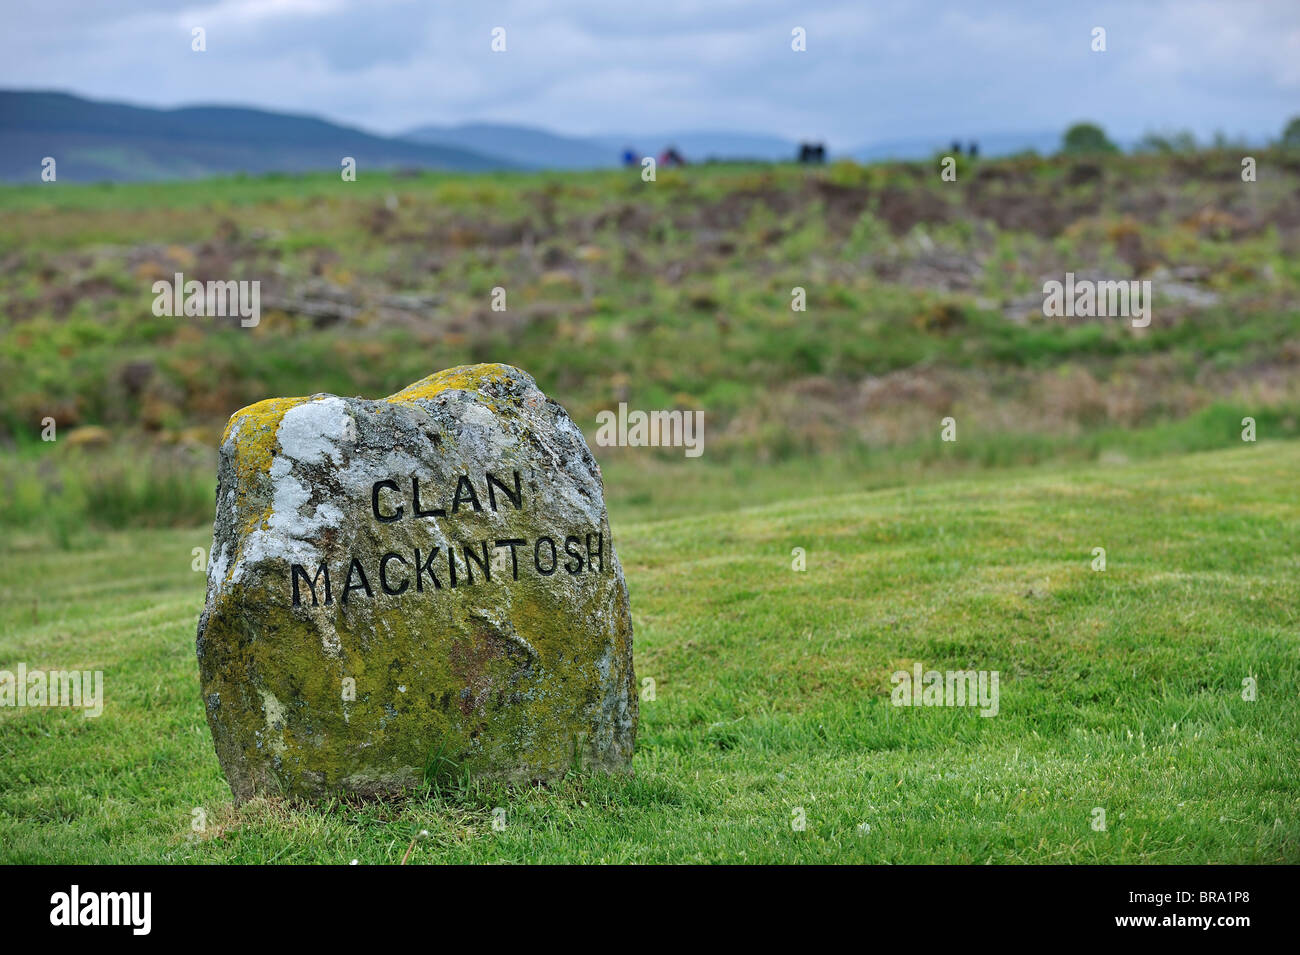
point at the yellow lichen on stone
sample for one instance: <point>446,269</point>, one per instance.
<point>257,426</point>
<point>255,430</point>
<point>460,378</point>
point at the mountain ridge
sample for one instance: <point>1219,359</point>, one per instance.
<point>99,139</point>
<point>107,140</point>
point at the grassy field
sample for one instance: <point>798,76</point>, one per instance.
<point>1120,689</point>
<point>923,300</point>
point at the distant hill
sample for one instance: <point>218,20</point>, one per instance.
<point>701,145</point>
<point>94,140</point>
<point>523,145</point>
<point>1043,142</point>
<point>539,148</point>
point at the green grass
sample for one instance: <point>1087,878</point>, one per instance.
<point>132,484</point>
<point>1119,689</point>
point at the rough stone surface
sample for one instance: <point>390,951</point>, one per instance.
<point>501,661</point>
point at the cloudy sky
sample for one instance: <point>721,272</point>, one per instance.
<point>874,69</point>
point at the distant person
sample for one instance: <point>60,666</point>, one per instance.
<point>812,152</point>
<point>671,157</point>
<point>973,150</point>
<point>955,149</point>
<point>630,157</point>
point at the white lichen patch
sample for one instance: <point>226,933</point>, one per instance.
<point>275,721</point>
<point>317,430</point>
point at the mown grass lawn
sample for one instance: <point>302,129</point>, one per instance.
<point>1119,690</point>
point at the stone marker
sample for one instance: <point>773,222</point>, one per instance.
<point>405,588</point>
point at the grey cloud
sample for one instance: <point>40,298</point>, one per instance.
<point>872,71</point>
